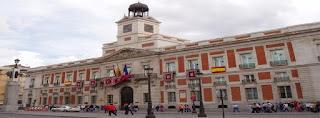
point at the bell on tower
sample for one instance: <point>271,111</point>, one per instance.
<point>138,10</point>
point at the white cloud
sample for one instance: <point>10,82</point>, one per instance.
<point>4,26</point>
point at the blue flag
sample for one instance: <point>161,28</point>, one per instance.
<point>125,70</point>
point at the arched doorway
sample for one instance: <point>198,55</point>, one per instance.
<point>126,95</point>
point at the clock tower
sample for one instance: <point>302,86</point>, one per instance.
<point>138,23</point>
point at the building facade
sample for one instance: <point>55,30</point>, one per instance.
<point>278,65</point>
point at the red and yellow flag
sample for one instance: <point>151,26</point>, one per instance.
<point>218,69</point>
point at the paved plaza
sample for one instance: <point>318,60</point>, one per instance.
<point>39,114</point>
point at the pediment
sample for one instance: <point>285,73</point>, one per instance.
<point>127,53</point>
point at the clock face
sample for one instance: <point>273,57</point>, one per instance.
<point>127,28</point>
<point>148,28</point>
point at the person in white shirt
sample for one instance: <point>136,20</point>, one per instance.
<point>235,108</point>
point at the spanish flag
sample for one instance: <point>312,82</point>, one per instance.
<point>118,72</point>
<point>218,69</point>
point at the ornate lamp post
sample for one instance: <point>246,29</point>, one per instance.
<point>193,99</point>
<point>201,109</point>
<point>150,109</point>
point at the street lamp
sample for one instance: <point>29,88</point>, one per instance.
<point>16,61</point>
<point>193,99</point>
<point>201,109</point>
<point>150,112</point>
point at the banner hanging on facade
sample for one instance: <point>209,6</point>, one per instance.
<point>191,74</point>
<point>110,81</point>
<point>168,76</point>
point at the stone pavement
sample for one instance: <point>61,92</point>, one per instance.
<point>171,114</point>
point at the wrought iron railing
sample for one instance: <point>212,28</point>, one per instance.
<point>56,84</point>
<point>44,94</point>
<point>279,63</point>
<point>247,66</point>
<point>55,93</point>
<point>170,86</point>
<point>46,85</point>
<point>93,91</point>
<point>192,85</point>
<point>66,93</point>
<point>249,81</point>
<point>79,92</point>
<point>220,83</point>
<point>279,79</point>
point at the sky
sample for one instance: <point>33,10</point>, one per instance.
<point>46,32</point>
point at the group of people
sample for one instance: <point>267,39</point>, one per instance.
<point>185,108</point>
<point>129,107</point>
<point>159,108</point>
<point>89,108</point>
<point>282,107</point>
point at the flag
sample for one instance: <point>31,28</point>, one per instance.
<point>114,71</point>
<point>118,72</point>
<point>125,70</point>
<point>218,69</point>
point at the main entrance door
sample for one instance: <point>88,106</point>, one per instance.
<point>126,96</point>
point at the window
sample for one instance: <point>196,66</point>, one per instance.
<point>110,99</point>
<point>226,95</point>
<point>194,82</point>
<point>281,74</point>
<point>45,91</point>
<point>55,100</point>
<point>249,78</point>
<point>32,81</point>
<point>110,72</point>
<point>55,90</point>
<point>252,93</point>
<point>93,88</point>
<point>171,67</point>
<point>220,81</point>
<point>81,76</point>
<point>67,100</point>
<point>93,99</point>
<point>57,80</point>
<point>95,74</point>
<point>193,64</point>
<point>171,84</point>
<point>69,77</point>
<point>144,71</point>
<point>197,93</point>
<point>285,92</point>
<point>171,97</point>
<point>79,99</point>
<point>218,61</point>
<point>67,89</point>
<point>79,89</point>
<point>44,101</point>
<point>46,80</point>
<point>145,97</point>
<point>246,58</point>
<point>278,55</point>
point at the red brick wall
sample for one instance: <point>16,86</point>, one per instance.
<point>170,48</point>
<point>244,36</point>
<point>206,80</point>
<point>231,59</point>
<point>110,51</point>
<point>294,73</point>
<point>73,99</point>
<point>61,100</point>
<point>182,81</point>
<point>87,88</point>
<point>74,89</point>
<point>267,92</point>
<point>127,39</point>
<point>236,94</point>
<point>244,49</point>
<point>52,78</point>
<point>50,90</point>
<point>204,61</point>
<point>234,78</point>
<point>50,100</point>
<point>264,75</point>
<point>299,91</point>
<point>216,41</point>
<point>170,59</point>
<point>291,52</point>
<point>181,64</point>
<point>275,45</point>
<point>148,44</point>
<point>161,68</point>
<point>161,83</point>
<point>190,45</point>
<point>75,76</point>
<point>42,79</point>
<point>162,97</point>
<point>272,32</point>
<point>192,56</point>
<point>88,75</point>
<point>63,77</point>
<point>261,57</point>
<point>216,53</point>
<point>61,90</point>
<point>207,92</point>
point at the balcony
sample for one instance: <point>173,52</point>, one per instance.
<point>279,63</point>
<point>79,92</point>
<point>29,94</point>
<point>193,85</point>
<point>44,94</point>
<point>170,86</point>
<point>280,79</point>
<point>66,93</point>
<point>142,76</point>
<point>220,83</point>
<point>46,85</point>
<point>247,66</point>
<point>31,86</point>
<point>55,93</point>
<point>249,81</point>
<point>56,84</point>
<point>93,91</point>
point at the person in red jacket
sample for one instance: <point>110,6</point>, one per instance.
<point>105,107</point>
<point>112,109</point>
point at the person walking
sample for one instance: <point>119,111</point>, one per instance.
<point>157,108</point>
<point>181,108</point>
<point>112,109</point>
<point>285,107</point>
<point>126,108</point>
<point>161,108</point>
<point>235,108</point>
<point>105,107</point>
<point>249,107</point>
<point>130,106</point>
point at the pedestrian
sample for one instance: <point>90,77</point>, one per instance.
<point>112,109</point>
<point>249,107</point>
<point>105,107</point>
<point>188,107</point>
<point>181,108</point>
<point>91,108</point>
<point>86,108</point>
<point>235,108</point>
<point>126,108</point>
<point>157,108</point>
<point>130,106</point>
<point>185,108</point>
<point>161,108</point>
<point>285,107</point>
